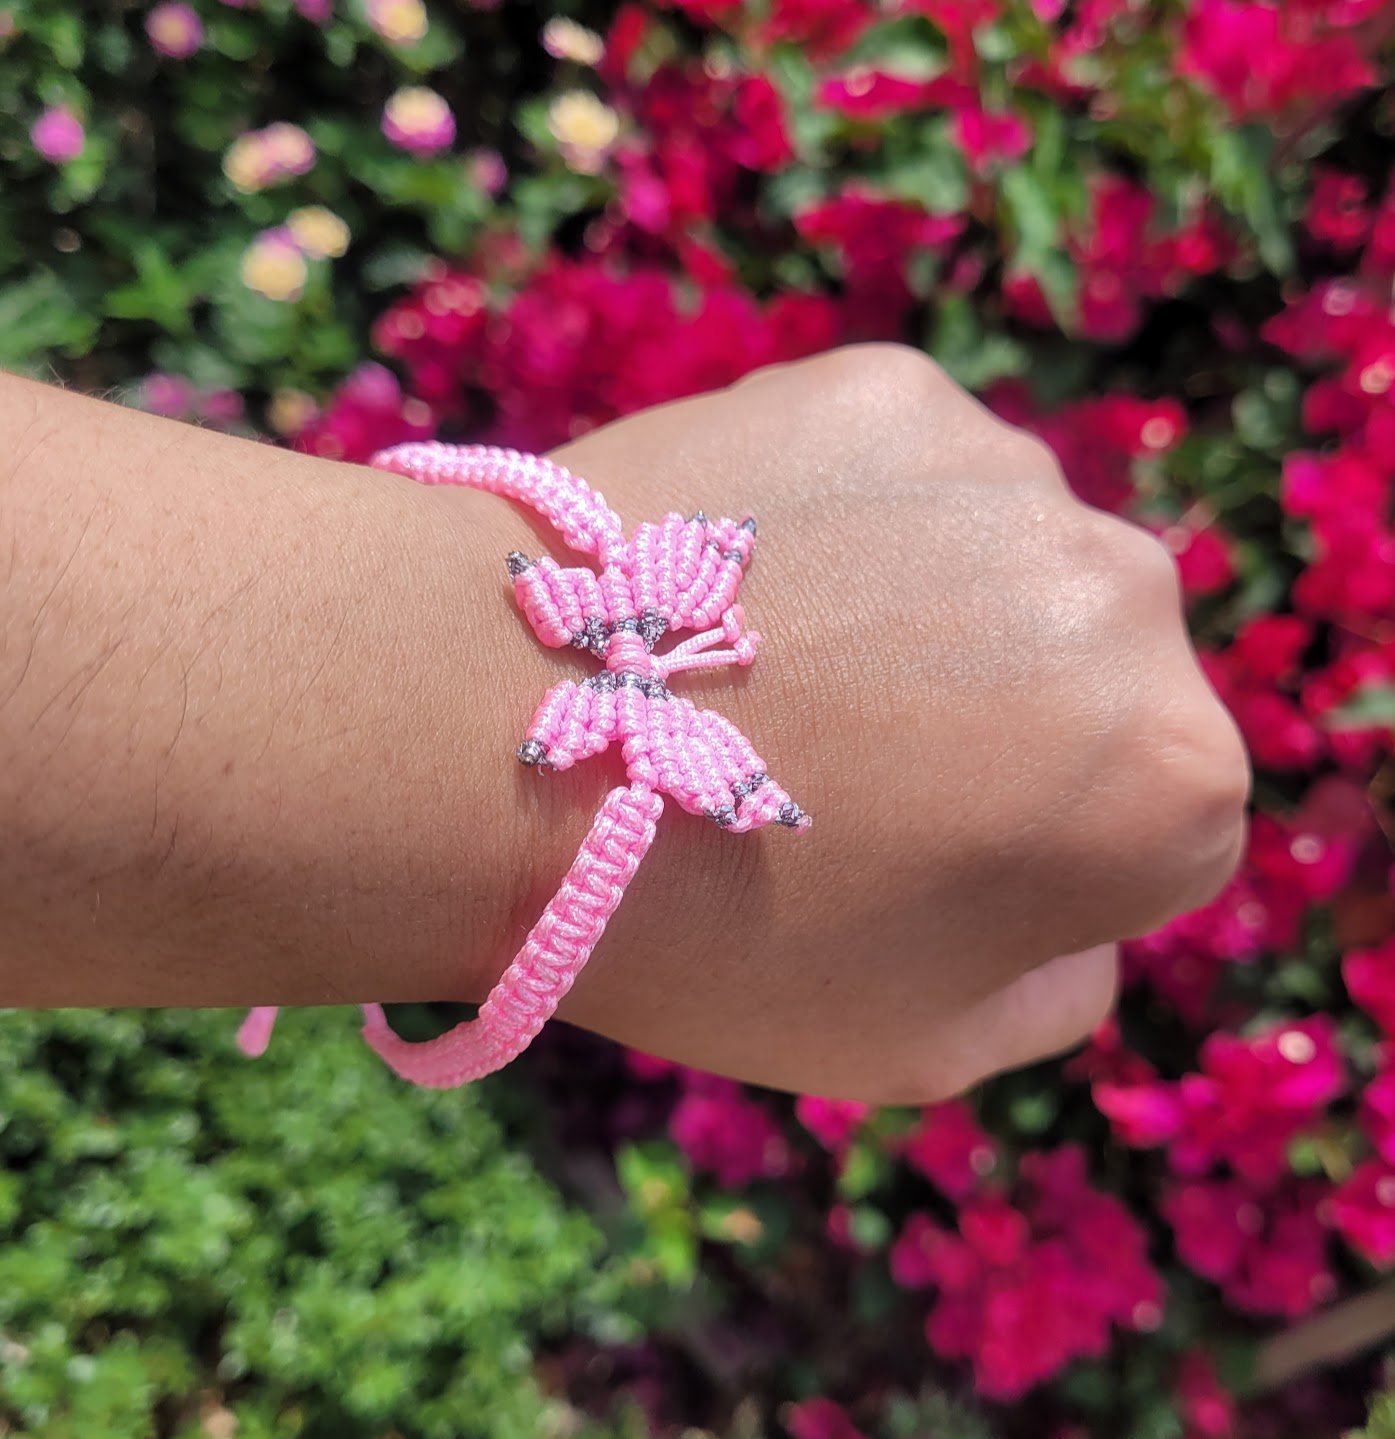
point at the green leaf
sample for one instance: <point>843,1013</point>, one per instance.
<point>1243,176</point>
<point>968,353</point>
<point>1371,707</point>
<point>934,176</point>
<point>38,316</point>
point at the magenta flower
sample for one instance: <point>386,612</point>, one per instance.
<point>1370,980</point>
<point>722,1130</point>
<point>1252,1097</point>
<point>833,1122</point>
<point>419,121</point>
<point>1363,1212</point>
<point>58,135</point>
<point>820,1419</point>
<point>1259,59</point>
<point>1023,1288</point>
<point>1267,1251</point>
<point>991,137</point>
<point>949,1148</point>
<point>174,29</point>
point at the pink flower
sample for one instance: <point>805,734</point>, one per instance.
<point>58,135</point>
<point>1097,439</point>
<point>260,158</point>
<point>1361,669</point>
<point>758,138</point>
<point>875,236</point>
<point>1362,1211</point>
<point>316,11</point>
<point>174,29</point>
<point>1378,1112</point>
<point>419,121</point>
<point>169,395</point>
<point>821,28</point>
<point>487,169</point>
<point>368,413</point>
<point>1255,678</point>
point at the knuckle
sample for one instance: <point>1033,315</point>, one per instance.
<point>1136,562</point>
<point>1029,457</point>
<point>901,369</point>
<point>1151,561</point>
<point>1197,774</point>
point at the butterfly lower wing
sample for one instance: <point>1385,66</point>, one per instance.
<point>573,722</point>
<point>707,765</point>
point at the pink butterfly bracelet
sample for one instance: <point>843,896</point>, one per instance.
<point>678,574</point>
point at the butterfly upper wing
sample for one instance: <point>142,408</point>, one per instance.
<point>687,572</point>
<point>706,763</point>
<point>573,722</point>
<point>569,605</point>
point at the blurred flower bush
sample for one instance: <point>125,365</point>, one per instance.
<point>1162,236</point>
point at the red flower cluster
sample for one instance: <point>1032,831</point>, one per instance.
<point>1249,1101</point>
<point>1267,1251</point>
<point>1262,59</point>
<point>1124,259</point>
<point>1026,1286</point>
<point>579,343</point>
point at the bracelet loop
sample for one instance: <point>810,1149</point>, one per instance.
<point>677,574</point>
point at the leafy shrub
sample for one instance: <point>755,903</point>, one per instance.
<point>197,1246</point>
<point>1162,235</point>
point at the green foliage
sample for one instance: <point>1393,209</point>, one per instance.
<point>1380,1422</point>
<point>303,1242</point>
<point>132,248</point>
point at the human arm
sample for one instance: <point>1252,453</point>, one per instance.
<point>264,754</point>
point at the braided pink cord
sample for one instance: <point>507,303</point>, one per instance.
<point>578,513</point>
<point>677,574</point>
<point>558,946</point>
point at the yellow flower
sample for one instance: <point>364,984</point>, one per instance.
<point>320,233</point>
<point>290,411</point>
<point>244,164</point>
<point>564,39</point>
<point>273,266</point>
<point>400,22</point>
<point>584,128</point>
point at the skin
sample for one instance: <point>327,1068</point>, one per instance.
<point>257,712</point>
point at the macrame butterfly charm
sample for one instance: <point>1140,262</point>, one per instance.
<point>679,574</point>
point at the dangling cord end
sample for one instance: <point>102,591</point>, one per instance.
<point>374,1020</point>
<point>697,653</point>
<point>255,1032</point>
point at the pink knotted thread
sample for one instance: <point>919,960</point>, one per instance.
<point>677,574</point>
